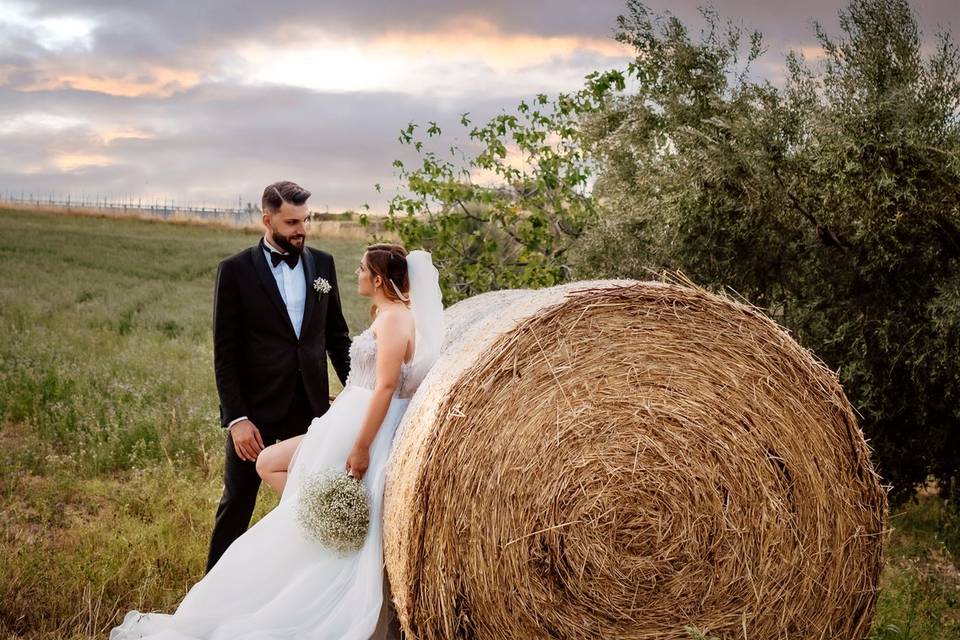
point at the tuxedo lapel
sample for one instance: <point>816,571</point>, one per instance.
<point>309,274</point>
<point>270,284</point>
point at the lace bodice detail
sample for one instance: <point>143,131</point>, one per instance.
<point>363,366</point>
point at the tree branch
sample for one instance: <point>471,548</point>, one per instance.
<point>477,218</point>
<point>825,233</point>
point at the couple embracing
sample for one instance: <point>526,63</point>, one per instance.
<point>277,315</point>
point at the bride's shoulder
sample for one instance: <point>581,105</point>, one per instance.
<point>395,318</point>
<point>394,313</point>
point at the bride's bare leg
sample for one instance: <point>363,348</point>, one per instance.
<point>275,461</point>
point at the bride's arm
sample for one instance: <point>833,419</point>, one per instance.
<point>390,330</point>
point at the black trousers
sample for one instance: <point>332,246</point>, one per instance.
<point>241,482</point>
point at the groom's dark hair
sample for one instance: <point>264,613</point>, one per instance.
<point>284,191</point>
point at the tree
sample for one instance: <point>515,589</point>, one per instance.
<point>504,212</point>
<point>832,201</point>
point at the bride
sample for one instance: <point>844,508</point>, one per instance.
<point>274,581</point>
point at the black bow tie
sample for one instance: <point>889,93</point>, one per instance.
<point>290,258</point>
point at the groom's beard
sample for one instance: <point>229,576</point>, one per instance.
<point>286,243</point>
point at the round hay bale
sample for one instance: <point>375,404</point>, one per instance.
<point>626,459</point>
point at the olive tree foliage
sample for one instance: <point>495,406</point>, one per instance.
<point>503,210</point>
<point>831,200</point>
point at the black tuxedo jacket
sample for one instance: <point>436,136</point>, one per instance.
<point>256,353</point>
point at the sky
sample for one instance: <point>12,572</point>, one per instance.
<point>206,102</point>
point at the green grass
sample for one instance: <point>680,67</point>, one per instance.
<point>111,447</point>
<point>112,453</point>
<point>920,596</point>
<point>105,338</point>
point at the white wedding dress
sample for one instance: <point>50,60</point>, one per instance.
<point>274,582</point>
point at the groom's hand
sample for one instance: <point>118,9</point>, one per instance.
<point>246,440</point>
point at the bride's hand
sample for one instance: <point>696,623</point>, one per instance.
<point>358,461</point>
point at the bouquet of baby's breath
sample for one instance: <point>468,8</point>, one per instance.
<point>334,510</point>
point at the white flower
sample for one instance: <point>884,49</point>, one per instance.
<point>334,510</point>
<point>321,286</point>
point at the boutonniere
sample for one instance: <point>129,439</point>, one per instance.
<point>321,286</point>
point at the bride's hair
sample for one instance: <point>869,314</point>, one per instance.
<point>389,261</point>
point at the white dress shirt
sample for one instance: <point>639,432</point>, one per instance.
<point>293,288</point>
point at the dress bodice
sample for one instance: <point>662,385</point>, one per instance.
<point>363,366</point>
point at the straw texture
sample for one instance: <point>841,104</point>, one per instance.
<point>621,459</point>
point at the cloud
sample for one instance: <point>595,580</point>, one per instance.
<point>209,101</point>
<point>241,19</point>
<point>148,81</point>
<point>49,32</point>
<point>227,141</point>
<point>447,67</point>
<point>73,161</point>
<point>207,39</point>
<point>157,49</point>
<point>187,103</point>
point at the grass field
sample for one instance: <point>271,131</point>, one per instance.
<point>112,452</point>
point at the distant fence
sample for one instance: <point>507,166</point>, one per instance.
<point>343,225</point>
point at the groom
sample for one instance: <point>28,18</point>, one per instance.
<point>276,316</point>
